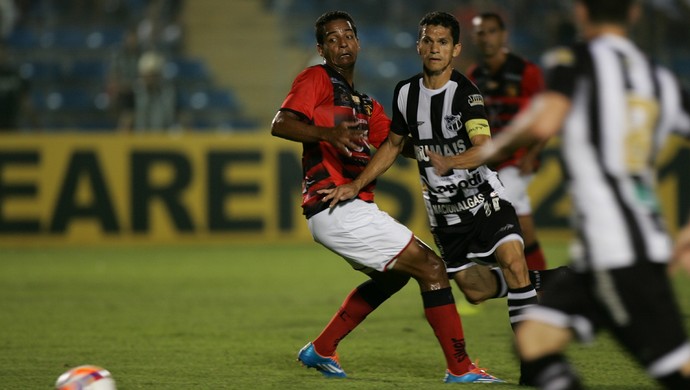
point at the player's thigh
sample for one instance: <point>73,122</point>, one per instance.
<point>362,234</point>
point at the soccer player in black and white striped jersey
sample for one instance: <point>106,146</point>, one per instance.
<point>614,108</point>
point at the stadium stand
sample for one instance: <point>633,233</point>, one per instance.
<point>65,52</point>
<point>64,49</point>
<point>387,31</point>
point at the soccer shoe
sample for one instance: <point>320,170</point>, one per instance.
<point>475,375</point>
<point>328,366</point>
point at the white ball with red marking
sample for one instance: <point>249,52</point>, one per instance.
<point>86,377</point>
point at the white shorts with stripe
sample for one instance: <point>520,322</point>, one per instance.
<point>362,234</point>
<point>516,185</point>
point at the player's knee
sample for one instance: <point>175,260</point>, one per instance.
<point>473,293</point>
<point>475,297</point>
<point>432,268</point>
<point>515,268</point>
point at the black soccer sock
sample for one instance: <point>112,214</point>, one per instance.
<point>375,292</point>
<point>675,381</point>
<point>541,279</point>
<point>550,372</point>
<point>518,300</point>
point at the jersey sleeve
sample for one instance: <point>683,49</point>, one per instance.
<point>560,67</point>
<point>379,125</point>
<point>306,92</point>
<point>473,110</point>
<point>399,123</point>
<point>532,80</point>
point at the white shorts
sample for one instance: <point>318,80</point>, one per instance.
<point>516,186</point>
<point>365,236</point>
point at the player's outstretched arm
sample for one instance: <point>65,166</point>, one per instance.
<point>383,159</point>
<point>344,137</point>
<point>469,159</point>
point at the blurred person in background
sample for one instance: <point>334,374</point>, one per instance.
<point>153,107</point>
<point>336,124</point>
<point>123,71</point>
<point>507,82</point>
<point>15,100</point>
<point>614,108</point>
<point>9,16</point>
<point>161,27</point>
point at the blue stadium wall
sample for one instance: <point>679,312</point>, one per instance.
<point>84,188</point>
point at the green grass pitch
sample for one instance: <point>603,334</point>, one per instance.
<point>234,317</point>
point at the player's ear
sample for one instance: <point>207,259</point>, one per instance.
<point>319,49</point>
<point>457,49</point>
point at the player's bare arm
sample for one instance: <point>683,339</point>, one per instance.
<point>469,159</point>
<point>344,137</point>
<point>380,162</point>
<point>535,125</point>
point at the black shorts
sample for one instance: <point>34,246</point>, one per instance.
<point>477,239</point>
<point>636,304</point>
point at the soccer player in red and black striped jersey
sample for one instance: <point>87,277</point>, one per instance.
<point>507,82</point>
<point>336,124</point>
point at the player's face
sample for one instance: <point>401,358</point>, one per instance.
<point>437,50</point>
<point>340,46</point>
<point>489,37</point>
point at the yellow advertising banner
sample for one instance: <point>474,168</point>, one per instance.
<point>99,188</point>
<point>84,188</point>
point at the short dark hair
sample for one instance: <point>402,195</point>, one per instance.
<point>320,25</point>
<point>443,19</point>
<point>491,15</point>
<point>615,11</point>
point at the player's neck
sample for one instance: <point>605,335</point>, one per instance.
<point>595,30</point>
<point>433,80</point>
<point>347,73</point>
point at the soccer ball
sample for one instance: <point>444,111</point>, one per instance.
<point>86,378</point>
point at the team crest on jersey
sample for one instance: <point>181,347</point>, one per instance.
<point>475,100</point>
<point>453,122</point>
<point>367,106</point>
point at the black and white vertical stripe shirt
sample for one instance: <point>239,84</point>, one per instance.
<point>444,120</point>
<point>623,107</point>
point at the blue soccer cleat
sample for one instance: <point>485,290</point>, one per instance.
<point>475,375</point>
<point>328,366</point>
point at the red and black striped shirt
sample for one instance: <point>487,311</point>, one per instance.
<point>506,92</point>
<point>321,96</point>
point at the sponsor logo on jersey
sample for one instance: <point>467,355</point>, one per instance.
<point>473,181</point>
<point>475,100</point>
<point>454,208</point>
<point>450,149</point>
